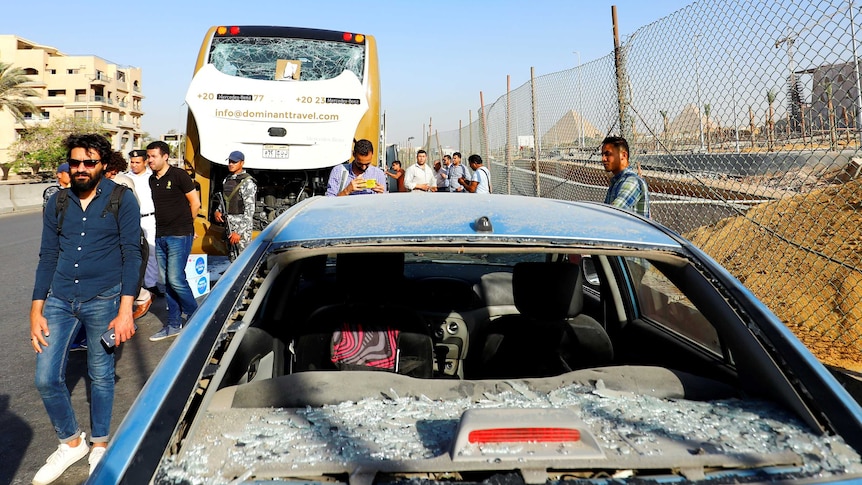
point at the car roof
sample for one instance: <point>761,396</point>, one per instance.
<point>454,216</point>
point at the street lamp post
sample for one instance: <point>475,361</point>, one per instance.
<point>697,83</point>
<point>580,106</point>
<point>733,96</point>
<point>856,73</point>
<point>86,93</point>
<point>409,149</point>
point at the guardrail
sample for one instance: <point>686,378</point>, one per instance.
<point>21,197</point>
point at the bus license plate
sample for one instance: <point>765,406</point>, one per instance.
<point>276,151</point>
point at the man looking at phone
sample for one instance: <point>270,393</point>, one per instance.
<point>358,177</point>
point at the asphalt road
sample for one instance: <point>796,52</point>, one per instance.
<point>26,434</point>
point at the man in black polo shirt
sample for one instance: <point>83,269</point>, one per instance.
<point>176,202</point>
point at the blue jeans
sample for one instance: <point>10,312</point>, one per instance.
<point>172,253</point>
<point>64,320</point>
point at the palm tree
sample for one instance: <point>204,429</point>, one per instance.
<point>830,108</point>
<point>13,92</point>
<point>663,114</point>
<point>751,127</point>
<point>706,110</point>
<point>770,122</point>
<point>13,98</point>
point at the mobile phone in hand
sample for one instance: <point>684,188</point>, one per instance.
<point>109,338</point>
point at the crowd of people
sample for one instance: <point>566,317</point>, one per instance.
<point>98,273</point>
<point>361,177</point>
<point>627,189</point>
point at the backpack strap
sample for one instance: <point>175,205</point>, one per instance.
<point>114,203</point>
<point>62,203</point>
<point>488,176</point>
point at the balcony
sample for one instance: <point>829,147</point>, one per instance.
<point>101,78</point>
<point>50,101</point>
<point>32,122</point>
<point>126,123</point>
<point>81,98</point>
<point>34,82</point>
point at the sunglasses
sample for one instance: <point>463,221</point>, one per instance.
<point>87,163</point>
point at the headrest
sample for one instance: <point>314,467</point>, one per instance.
<point>495,288</point>
<point>313,268</point>
<point>354,270</point>
<point>548,290</point>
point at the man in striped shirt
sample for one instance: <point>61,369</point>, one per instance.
<point>627,189</point>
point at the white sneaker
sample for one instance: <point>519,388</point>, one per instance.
<point>96,454</point>
<point>60,460</point>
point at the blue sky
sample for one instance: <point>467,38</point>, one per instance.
<point>435,56</point>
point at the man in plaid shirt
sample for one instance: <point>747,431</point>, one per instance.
<point>627,190</point>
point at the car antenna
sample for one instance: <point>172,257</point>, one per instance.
<point>483,224</point>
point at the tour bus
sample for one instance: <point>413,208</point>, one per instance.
<point>291,99</point>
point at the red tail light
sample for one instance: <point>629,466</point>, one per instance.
<point>524,435</point>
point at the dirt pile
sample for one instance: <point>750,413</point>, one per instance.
<point>802,256</point>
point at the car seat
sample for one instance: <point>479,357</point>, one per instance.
<point>363,332</point>
<point>550,336</point>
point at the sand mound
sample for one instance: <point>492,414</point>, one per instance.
<point>802,256</point>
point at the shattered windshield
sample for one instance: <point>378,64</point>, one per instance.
<point>258,57</point>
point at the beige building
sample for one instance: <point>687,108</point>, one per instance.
<point>81,86</point>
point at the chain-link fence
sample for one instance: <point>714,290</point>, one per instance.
<point>744,118</point>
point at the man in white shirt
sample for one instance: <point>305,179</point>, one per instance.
<point>420,177</point>
<point>441,174</point>
<point>115,170</point>
<point>480,182</point>
<point>140,173</point>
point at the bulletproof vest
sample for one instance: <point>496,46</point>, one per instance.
<point>235,205</point>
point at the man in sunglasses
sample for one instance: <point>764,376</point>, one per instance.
<point>359,177</point>
<point>236,209</point>
<point>87,276</point>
